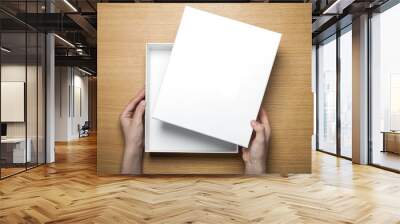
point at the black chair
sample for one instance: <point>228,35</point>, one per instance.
<point>84,130</point>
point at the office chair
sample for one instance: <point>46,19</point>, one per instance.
<point>84,130</point>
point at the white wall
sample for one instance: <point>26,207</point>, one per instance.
<point>69,84</point>
<point>62,82</point>
<point>79,117</point>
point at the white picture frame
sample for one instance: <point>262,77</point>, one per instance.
<point>12,101</point>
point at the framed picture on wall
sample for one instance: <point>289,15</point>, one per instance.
<point>12,101</point>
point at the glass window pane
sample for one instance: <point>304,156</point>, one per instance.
<point>385,114</point>
<point>14,153</point>
<point>31,100</point>
<point>22,63</point>
<point>41,98</point>
<point>346,94</point>
<point>327,96</point>
<point>31,87</point>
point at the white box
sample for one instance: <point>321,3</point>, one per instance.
<point>163,137</point>
<point>217,76</point>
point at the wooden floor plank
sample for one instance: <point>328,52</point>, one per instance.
<point>69,191</point>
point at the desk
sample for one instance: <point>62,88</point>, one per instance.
<point>13,150</point>
<point>391,141</point>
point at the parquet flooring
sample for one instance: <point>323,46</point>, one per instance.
<point>70,192</point>
<point>11,170</point>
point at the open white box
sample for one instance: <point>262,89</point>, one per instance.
<point>167,138</point>
<point>217,76</point>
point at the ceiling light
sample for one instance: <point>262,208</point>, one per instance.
<point>5,50</point>
<point>337,7</point>
<point>65,41</point>
<point>79,51</point>
<point>70,5</point>
<point>84,71</point>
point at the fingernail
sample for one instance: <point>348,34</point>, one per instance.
<point>143,103</point>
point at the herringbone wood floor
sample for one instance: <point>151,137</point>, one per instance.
<point>70,192</point>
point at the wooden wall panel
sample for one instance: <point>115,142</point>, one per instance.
<point>92,108</point>
<point>123,30</point>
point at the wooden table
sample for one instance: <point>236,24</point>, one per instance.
<point>391,141</point>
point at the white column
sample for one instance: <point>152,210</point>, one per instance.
<point>50,81</point>
<point>50,92</point>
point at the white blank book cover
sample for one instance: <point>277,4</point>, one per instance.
<point>217,75</point>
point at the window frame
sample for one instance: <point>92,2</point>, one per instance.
<point>381,9</point>
<point>334,37</point>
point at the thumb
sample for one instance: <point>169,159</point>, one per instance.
<point>138,116</point>
<point>246,154</point>
<point>259,130</point>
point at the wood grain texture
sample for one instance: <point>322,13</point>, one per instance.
<point>69,191</point>
<point>123,30</point>
<point>392,142</point>
<point>92,99</point>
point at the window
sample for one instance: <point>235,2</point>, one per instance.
<point>346,93</point>
<point>394,101</point>
<point>334,106</point>
<point>385,89</point>
<point>327,96</point>
<point>22,66</point>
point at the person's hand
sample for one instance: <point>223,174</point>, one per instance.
<point>133,130</point>
<point>255,157</point>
